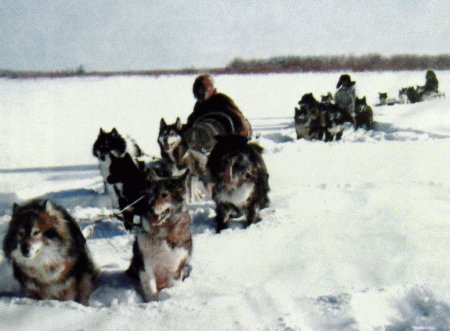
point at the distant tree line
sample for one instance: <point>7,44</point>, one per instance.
<point>370,62</point>
<point>281,64</point>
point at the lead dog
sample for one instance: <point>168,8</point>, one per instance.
<point>49,254</point>
<point>240,180</point>
<point>163,245</point>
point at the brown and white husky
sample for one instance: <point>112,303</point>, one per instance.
<point>49,254</point>
<point>163,245</point>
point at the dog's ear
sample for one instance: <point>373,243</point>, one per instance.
<point>178,124</point>
<point>114,132</point>
<point>101,131</point>
<point>364,100</point>
<point>162,123</point>
<point>15,207</point>
<point>48,205</point>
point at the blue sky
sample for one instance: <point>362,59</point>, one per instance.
<point>139,34</point>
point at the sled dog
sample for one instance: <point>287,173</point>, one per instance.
<point>122,167</point>
<point>383,99</point>
<point>363,114</point>
<point>177,156</point>
<point>240,180</point>
<point>163,245</point>
<point>49,255</point>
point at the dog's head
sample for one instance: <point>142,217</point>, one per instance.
<point>360,101</point>
<point>301,116</point>
<point>327,98</point>
<point>360,104</point>
<point>109,143</point>
<point>165,199</point>
<point>382,96</point>
<point>37,228</point>
<point>307,102</point>
<point>170,136</point>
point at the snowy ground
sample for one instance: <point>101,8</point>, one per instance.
<point>356,237</point>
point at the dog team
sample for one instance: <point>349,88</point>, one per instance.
<point>48,251</point>
<point>413,94</point>
<point>327,119</point>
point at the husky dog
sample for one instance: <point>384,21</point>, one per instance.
<point>383,99</point>
<point>240,180</point>
<point>112,143</point>
<point>302,123</point>
<point>402,97</point>
<point>335,119</point>
<point>363,114</point>
<point>327,98</point>
<point>132,180</point>
<point>163,245</point>
<point>173,146</point>
<point>49,254</point>
<point>306,116</point>
<point>311,121</point>
<point>120,158</point>
<point>409,95</point>
<point>177,156</point>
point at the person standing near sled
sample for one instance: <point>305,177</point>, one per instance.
<point>210,101</point>
<point>346,95</point>
<point>431,83</point>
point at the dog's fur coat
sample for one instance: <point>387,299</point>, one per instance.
<point>49,254</point>
<point>163,246</point>
<point>240,180</point>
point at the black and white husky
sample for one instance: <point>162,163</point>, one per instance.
<point>49,253</point>
<point>121,166</point>
<point>363,114</point>
<point>163,245</point>
<point>240,180</point>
